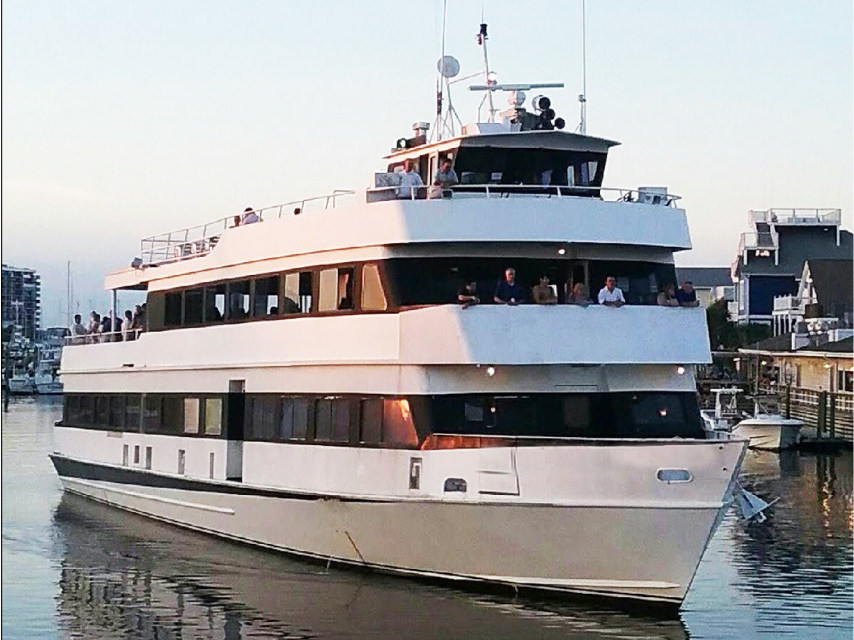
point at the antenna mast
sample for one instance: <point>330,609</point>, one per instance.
<point>481,40</point>
<point>582,98</point>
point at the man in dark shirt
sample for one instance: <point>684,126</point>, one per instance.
<point>686,296</point>
<point>467,294</point>
<point>508,290</point>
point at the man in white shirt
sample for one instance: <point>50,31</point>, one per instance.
<point>610,295</point>
<point>409,180</point>
<point>77,330</point>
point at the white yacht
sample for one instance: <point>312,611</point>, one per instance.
<point>310,384</point>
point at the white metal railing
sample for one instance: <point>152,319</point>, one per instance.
<point>758,241</point>
<point>427,192</point>
<point>199,240</point>
<point>796,216</point>
<point>107,336</point>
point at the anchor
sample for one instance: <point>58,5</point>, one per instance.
<point>750,505</point>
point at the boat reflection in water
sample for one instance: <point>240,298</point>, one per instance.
<point>803,552</point>
<point>126,576</point>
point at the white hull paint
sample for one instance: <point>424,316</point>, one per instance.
<point>769,432</point>
<point>563,521</point>
<point>576,549</point>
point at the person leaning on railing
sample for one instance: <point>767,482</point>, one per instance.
<point>410,180</point>
<point>611,295</point>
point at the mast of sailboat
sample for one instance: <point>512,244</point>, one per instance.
<point>68,310</point>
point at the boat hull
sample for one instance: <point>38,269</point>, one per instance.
<point>643,551</point>
<point>769,434</point>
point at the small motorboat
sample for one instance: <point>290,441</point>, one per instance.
<point>769,430</point>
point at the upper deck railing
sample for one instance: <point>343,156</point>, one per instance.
<point>796,216</point>
<point>199,240</point>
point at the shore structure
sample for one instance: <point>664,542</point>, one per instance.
<point>311,384</point>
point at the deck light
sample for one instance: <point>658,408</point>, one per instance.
<point>764,362</point>
<point>490,371</point>
<point>561,251</point>
<point>680,370</point>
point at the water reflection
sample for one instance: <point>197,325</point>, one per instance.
<point>803,552</point>
<point>122,575</point>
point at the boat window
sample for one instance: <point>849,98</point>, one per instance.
<point>215,303</point>
<point>117,411</point>
<point>373,296</point>
<point>172,312</point>
<point>264,417</point>
<point>102,411</point>
<point>340,420</point>
<point>151,414</point>
<point>297,293</point>
<point>601,415</point>
<point>238,300</point>
<point>398,427</point>
<point>323,419</point>
<point>265,300</point>
<point>371,421</point>
<point>172,414</point>
<point>336,289</point>
<point>191,415</point>
<point>193,306</point>
<point>133,412</point>
<point>213,416</point>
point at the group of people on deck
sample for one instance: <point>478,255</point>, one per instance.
<point>509,291</point>
<point>108,328</point>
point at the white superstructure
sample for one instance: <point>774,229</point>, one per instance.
<point>309,382</point>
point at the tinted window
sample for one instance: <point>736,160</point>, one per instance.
<point>398,427</point>
<point>323,420</point>
<point>191,415</point>
<point>265,301</point>
<point>238,300</point>
<point>371,421</point>
<point>215,303</point>
<point>172,414</point>
<point>172,317</point>
<point>151,414</point>
<point>341,420</point>
<point>193,306</point>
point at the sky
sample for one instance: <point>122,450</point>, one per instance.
<point>121,120</point>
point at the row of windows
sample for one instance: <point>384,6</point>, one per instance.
<point>326,290</point>
<point>148,413</point>
<point>395,422</point>
<point>392,284</point>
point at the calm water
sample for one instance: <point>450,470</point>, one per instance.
<point>75,569</point>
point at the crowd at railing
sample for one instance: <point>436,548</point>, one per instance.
<point>493,190</point>
<point>107,328</point>
<point>200,240</point>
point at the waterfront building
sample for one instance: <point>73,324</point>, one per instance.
<point>771,257</point>
<point>21,300</point>
<point>824,298</point>
<point>812,373</point>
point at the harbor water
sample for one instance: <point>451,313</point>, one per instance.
<point>76,569</point>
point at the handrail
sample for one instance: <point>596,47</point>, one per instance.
<point>428,192</point>
<point>192,242</point>
<point>98,338</point>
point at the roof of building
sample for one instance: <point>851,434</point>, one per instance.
<point>705,276</point>
<point>846,345</point>
<point>783,344</point>
<point>833,281</point>
<point>796,246</point>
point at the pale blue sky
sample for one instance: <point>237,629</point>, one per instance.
<point>124,119</point>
